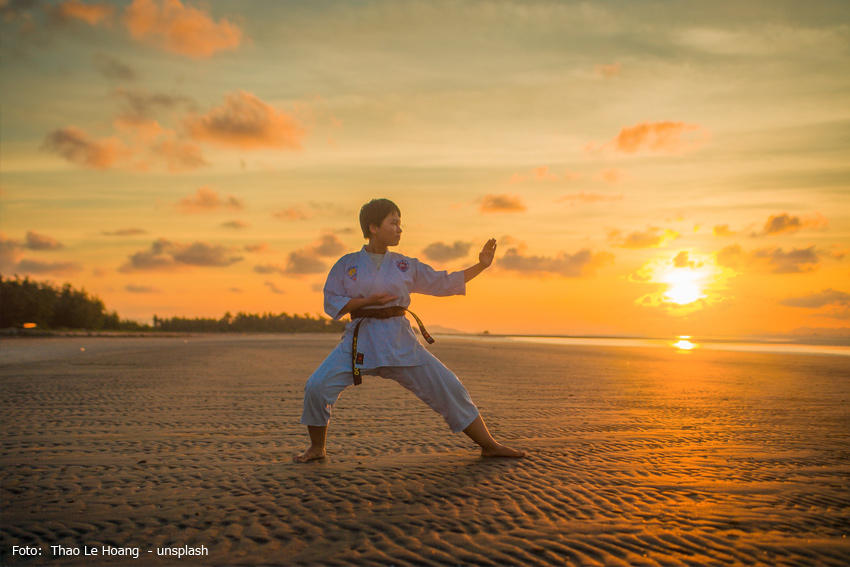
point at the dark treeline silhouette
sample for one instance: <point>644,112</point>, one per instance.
<point>28,303</point>
<point>23,301</point>
<point>250,323</point>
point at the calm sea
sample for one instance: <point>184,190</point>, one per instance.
<point>774,346</point>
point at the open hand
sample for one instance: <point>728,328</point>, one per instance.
<point>488,253</point>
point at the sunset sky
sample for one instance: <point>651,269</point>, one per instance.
<point>648,168</point>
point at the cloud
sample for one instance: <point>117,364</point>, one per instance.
<point>440,252</point>
<point>772,260</point>
<point>582,263</point>
<point>246,122</point>
<point>206,200</point>
<point>142,289</point>
<point>41,242</point>
<point>306,261</point>
<point>92,14</point>
<point>142,106</point>
<point>502,204</point>
<point>165,255</point>
<point>292,214</point>
<point>682,261</point>
<point>75,145</point>
<point>257,248</point>
<point>302,262</point>
<point>112,68</point>
<point>274,288</point>
<point>818,299</point>
<point>269,269</point>
<point>792,262</point>
<point>236,225</point>
<point>652,237</point>
<point>12,261</point>
<point>789,224</point>
<point>180,29</point>
<point>611,175</point>
<point>608,71</point>
<point>328,245</point>
<point>10,253</point>
<point>665,137</point>
<point>723,230</point>
<point>38,267</point>
<point>124,232</point>
<point>147,144</point>
<point>573,199</point>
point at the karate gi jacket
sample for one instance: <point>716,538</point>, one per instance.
<point>385,342</point>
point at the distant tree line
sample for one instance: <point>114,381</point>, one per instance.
<point>46,306</point>
<point>43,305</point>
<point>250,323</point>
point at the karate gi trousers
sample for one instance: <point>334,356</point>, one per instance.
<point>431,381</point>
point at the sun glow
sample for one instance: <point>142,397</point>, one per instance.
<point>684,285</point>
<point>684,343</point>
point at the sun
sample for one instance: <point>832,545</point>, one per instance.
<point>684,286</point>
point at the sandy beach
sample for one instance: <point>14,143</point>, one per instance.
<point>638,457</point>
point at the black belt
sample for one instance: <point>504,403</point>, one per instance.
<point>379,313</point>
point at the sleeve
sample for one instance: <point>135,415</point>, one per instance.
<point>429,281</point>
<point>334,290</point>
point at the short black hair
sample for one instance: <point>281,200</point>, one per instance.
<point>374,212</point>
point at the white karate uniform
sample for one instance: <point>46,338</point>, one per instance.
<point>390,348</point>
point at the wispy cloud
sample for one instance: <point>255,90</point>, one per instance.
<point>307,260</point>
<point>236,225</point>
<point>113,69</point>
<point>274,288</point>
<point>27,266</point>
<point>124,232</point>
<point>785,223</point>
<point>205,200</point>
<point>77,146</point>
<point>41,242</point>
<point>92,14</point>
<point>582,263</point>
<point>773,260</point>
<point>502,204</point>
<point>175,27</point>
<point>818,299</point>
<point>440,252</point>
<point>610,70</point>
<point>573,199</point>
<point>652,237</point>
<point>132,288</point>
<point>667,137</point>
<point>138,145</point>
<point>246,122</point>
<point>164,255</point>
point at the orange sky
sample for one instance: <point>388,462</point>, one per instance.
<point>647,168</point>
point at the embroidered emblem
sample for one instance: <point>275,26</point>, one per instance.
<point>352,273</point>
<point>402,265</point>
<point>359,358</point>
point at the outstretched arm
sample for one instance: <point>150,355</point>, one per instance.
<point>485,258</point>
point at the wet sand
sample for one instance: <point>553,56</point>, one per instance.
<point>638,457</point>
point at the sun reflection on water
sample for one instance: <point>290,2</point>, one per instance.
<point>685,343</point>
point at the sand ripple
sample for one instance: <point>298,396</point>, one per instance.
<point>638,458</point>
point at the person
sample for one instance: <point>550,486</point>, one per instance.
<point>374,287</point>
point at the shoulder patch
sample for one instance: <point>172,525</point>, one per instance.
<point>402,265</point>
<point>352,273</point>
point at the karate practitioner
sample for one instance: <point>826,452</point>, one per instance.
<point>374,286</point>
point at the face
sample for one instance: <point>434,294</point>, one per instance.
<point>389,233</point>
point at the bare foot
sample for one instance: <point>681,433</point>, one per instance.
<point>310,454</point>
<point>502,451</point>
